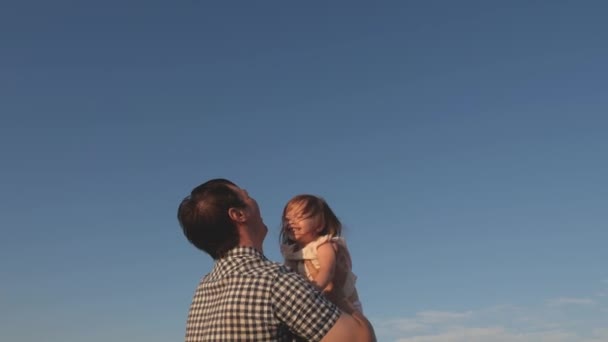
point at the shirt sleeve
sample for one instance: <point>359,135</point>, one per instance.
<point>302,308</point>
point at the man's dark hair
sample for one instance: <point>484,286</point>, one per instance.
<point>204,217</point>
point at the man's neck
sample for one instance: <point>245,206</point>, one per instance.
<point>252,245</point>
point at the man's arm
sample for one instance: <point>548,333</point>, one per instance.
<point>353,327</point>
<point>308,314</point>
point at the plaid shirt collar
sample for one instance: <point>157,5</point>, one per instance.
<point>241,251</point>
<point>239,259</point>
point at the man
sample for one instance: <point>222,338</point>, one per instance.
<point>246,297</point>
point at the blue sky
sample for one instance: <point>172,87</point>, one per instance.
<point>463,145</point>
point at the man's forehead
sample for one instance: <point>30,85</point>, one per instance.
<point>238,190</point>
<point>235,187</point>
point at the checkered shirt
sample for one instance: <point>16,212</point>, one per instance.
<point>248,298</point>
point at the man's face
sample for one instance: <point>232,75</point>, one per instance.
<point>252,210</point>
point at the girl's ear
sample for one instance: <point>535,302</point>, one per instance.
<point>236,215</point>
<point>321,226</point>
<point>319,229</point>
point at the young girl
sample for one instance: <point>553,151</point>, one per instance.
<point>311,245</point>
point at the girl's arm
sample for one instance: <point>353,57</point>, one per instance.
<point>327,261</point>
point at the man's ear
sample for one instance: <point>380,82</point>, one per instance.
<point>236,215</point>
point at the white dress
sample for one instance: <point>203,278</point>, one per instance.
<point>296,257</point>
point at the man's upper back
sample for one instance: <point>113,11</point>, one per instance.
<point>248,298</point>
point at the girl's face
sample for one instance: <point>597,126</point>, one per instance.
<point>301,228</point>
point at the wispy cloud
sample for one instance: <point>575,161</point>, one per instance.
<point>562,319</point>
<point>570,301</point>
<point>404,326</point>
<point>424,320</point>
<point>493,334</point>
<point>442,316</point>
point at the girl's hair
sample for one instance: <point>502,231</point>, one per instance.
<point>311,206</point>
